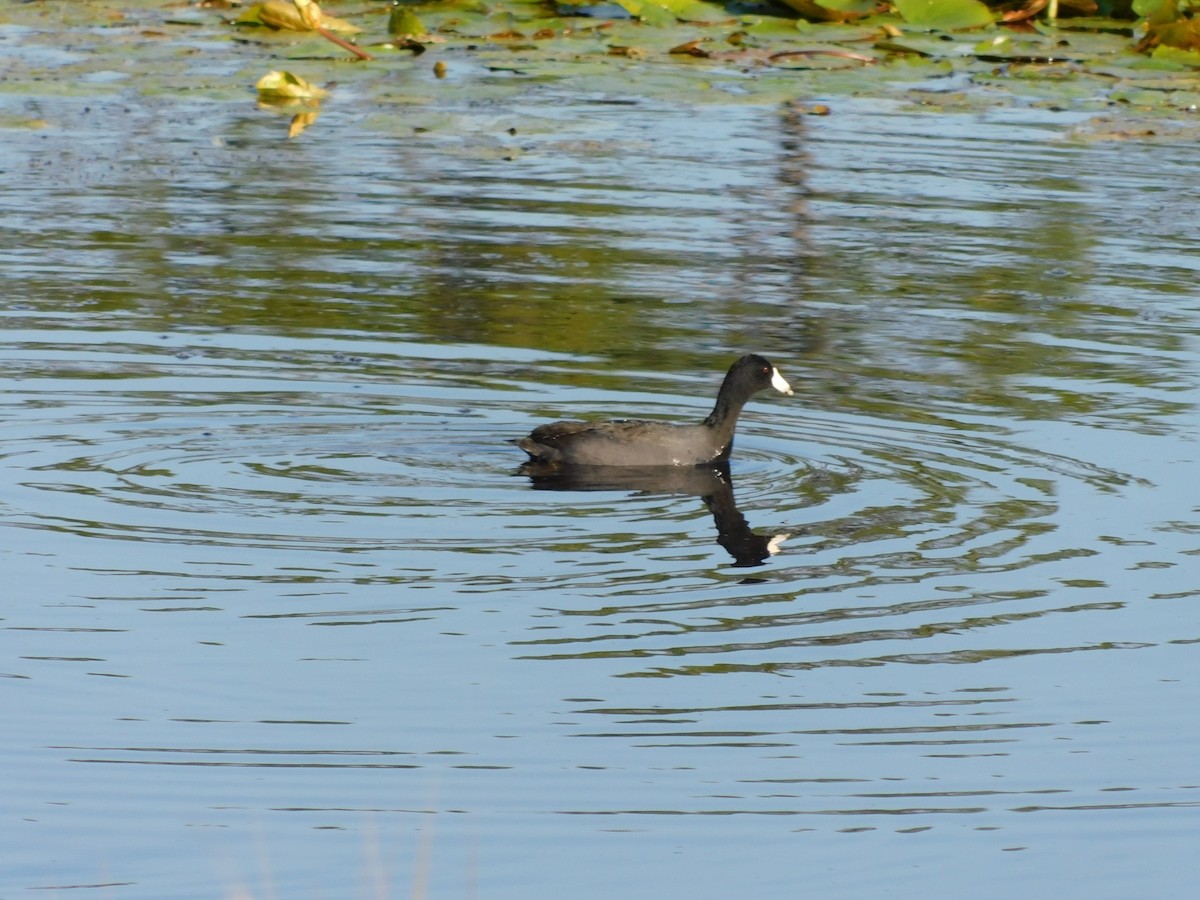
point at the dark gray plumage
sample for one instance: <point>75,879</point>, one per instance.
<point>631,442</point>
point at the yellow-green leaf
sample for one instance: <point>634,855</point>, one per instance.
<point>1177,55</point>
<point>274,14</point>
<point>665,12</point>
<point>819,12</point>
<point>944,15</point>
<point>852,7</point>
<point>277,85</point>
<point>648,11</point>
<point>341,26</point>
<point>404,22</point>
<point>287,15</point>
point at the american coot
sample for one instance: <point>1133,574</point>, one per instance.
<point>630,442</point>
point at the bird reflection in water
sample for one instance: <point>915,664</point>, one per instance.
<point>711,483</point>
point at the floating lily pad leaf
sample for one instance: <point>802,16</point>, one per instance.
<point>649,12</point>
<point>1032,48</point>
<point>944,15</point>
<point>843,34</point>
<point>830,11</point>
<point>1091,45</point>
<point>1001,44</point>
<point>1135,97</point>
<point>667,11</point>
<point>774,26</point>
<point>277,85</point>
<point>854,7</point>
<point>679,14</point>
<point>927,45</point>
<point>1189,100</point>
<point>403,22</point>
<point>1177,55</point>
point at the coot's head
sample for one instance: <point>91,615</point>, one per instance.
<point>754,373</point>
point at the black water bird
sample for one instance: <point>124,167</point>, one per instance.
<point>635,442</point>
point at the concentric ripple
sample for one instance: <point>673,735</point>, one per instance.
<point>924,515</point>
<point>325,468</point>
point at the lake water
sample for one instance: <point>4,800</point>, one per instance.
<point>283,619</point>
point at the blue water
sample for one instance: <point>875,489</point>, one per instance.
<point>284,620</point>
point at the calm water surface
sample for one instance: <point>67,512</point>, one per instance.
<point>284,620</point>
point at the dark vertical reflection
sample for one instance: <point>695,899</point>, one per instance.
<point>712,484</point>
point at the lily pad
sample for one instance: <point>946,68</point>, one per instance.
<point>944,15</point>
<point>1178,55</point>
<point>403,22</point>
<point>831,10</point>
<point>854,7</point>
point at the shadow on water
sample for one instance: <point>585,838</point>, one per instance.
<point>712,484</point>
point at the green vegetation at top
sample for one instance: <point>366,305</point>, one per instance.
<point>1152,24</point>
<point>1077,37</point>
<point>1080,54</point>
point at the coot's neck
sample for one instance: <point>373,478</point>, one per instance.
<point>723,418</point>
